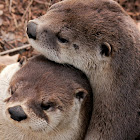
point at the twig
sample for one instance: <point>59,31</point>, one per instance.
<point>10,45</point>
<point>27,9</point>
<point>40,2</point>
<point>15,49</point>
<point>10,6</point>
<point>15,20</point>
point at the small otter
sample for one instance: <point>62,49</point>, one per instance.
<point>44,101</point>
<point>99,38</point>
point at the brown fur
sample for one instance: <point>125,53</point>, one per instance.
<point>99,38</point>
<point>40,82</point>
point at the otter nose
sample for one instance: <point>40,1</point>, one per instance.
<point>17,113</point>
<point>31,30</point>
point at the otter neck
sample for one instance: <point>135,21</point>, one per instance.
<point>113,96</point>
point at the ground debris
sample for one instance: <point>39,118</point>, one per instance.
<point>132,7</point>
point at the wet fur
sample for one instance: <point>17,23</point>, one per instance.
<point>115,78</point>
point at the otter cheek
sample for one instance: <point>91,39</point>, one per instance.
<point>38,124</point>
<point>55,119</point>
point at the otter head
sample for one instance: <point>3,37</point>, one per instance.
<point>46,98</point>
<point>86,34</point>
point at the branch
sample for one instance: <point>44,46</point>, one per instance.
<point>15,49</point>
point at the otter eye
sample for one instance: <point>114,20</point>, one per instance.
<point>47,106</point>
<point>62,40</point>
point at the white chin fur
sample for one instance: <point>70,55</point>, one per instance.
<point>48,53</point>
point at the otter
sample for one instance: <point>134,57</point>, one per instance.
<point>99,38</point>
<point>44,101</point>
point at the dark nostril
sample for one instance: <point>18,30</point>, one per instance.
<point>31,30</point>
<point>17,113</point>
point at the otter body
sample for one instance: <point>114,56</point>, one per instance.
<point>43,101</point>
<point>99,38</point>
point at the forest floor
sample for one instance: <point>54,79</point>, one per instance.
<point>15,14</point>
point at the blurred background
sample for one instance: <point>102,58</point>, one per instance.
<point>15,14</point>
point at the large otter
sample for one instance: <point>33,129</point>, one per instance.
<point>99,38</point>
<point>44,101</point>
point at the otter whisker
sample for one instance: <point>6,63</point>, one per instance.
<point>56,131</point>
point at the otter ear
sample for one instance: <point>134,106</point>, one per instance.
<point>80,94</point>
<point>106,49</point>
<point>2,66</point>
<point>22,61</point>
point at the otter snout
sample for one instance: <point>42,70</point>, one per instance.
<point>17,113</point>
<point>31,30</point>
